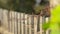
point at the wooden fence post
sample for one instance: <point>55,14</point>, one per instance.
<point>41,22</point>
<point>18,23</point>
<point>5,19</point>
<point>26,25</point>
<point>1,17</point>
<point>22,25</point>
<point>30,24</point>
<point>35,24</point>
<point>47,21</point>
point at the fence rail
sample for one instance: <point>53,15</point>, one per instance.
<point>21,23</point>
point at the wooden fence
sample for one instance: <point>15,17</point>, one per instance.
<point>21,23</point>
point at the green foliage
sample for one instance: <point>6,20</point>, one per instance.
<point>38,9</point>
<point>46,26</point>
<point>20,5</point>
<point>53,27</point>
<point>54,24</point>
<point>41,6</point>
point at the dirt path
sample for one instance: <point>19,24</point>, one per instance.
<point>4,31</point>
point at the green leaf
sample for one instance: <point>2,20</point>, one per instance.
<point>46,26</point>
